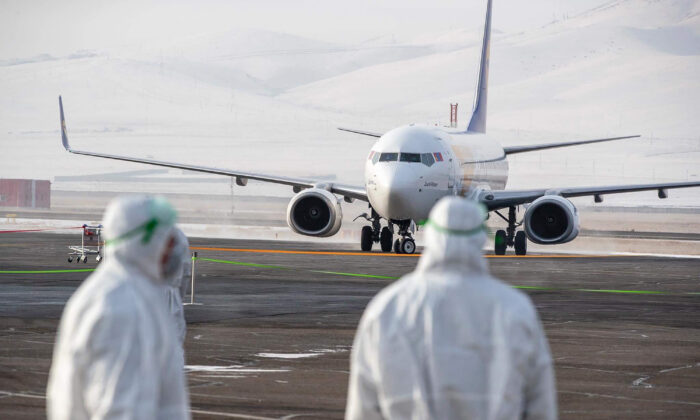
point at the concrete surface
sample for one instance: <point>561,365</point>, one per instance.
<point>274,341</point>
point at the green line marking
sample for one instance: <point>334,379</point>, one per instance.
<point>634,292</point>
<point>277,267</point>
<point>376,276</point>
<point>535,288</point>
<point>81,270</point>
<point>371,276</point>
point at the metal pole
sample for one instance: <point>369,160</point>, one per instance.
<point>194,258</point>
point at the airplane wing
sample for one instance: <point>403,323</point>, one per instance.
<point>495,200</point>
<point>362,132</point>
<point>534,147</point>
<point>349,192</point>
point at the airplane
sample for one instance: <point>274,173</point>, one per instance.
<point>411,167</point>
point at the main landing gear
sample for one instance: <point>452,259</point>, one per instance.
<point>375,233</point>
<point>385,235</point>
<point>509,237</point>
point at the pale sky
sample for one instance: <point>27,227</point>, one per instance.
<point>29,28</point>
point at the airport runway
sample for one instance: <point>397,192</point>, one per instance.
<point>271,331</point>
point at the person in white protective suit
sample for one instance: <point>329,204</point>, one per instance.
<point>449,341</point>
<point>175,285</point>
<point>117,355</point>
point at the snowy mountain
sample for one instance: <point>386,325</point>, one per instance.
<point>268,101</point>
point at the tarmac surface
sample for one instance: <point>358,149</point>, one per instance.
<point>271,330</point>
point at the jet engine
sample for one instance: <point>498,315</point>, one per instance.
<point>551,219</point>
<point>314,212</point>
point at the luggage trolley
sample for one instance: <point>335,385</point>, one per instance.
<point>91,244</point>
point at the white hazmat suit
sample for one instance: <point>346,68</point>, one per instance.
<point>116,354</point>
<point>449,341</point>
<point>175,284</point>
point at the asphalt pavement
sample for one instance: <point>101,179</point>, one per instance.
<point>272,325</point>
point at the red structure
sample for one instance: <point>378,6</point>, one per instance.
<point>29,193</point>
<point>453,115</point>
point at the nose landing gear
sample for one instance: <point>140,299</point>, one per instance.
<point>405,245</point>
<point>509,237</point>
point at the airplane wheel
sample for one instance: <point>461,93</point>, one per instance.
<point>366,239</point>
<point>397,246</point>
<point>520,243</point>
<point>385,239</point>
<point>408,246</point>
<point>85,259</point>
<point>499,243</point>
<point>98,258</point>
<point>70,259</point>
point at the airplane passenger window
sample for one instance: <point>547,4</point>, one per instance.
<point>389,157</point>
<point>410,157</point>
<point>427,159</point>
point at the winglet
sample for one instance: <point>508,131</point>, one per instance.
<point>477,124</point>
<point>64,134</point>
<point>361,132</point>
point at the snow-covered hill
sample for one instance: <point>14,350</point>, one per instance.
<point>268,101</point>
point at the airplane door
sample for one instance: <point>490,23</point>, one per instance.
<point>451,171</point>
<point>447,153</point>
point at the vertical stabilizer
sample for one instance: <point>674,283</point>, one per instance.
<point>477,124</point>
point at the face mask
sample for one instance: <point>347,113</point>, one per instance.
<point>172,266</point>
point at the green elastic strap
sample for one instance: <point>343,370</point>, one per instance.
<point>147,228</point>
<point>460,232</point>
<point>166,216</point>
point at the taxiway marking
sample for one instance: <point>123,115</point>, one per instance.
<point>377,254</point>
<point>375,276</point>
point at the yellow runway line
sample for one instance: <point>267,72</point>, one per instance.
<point>377,254</point>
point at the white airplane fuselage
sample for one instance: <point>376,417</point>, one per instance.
<point>411,167</point>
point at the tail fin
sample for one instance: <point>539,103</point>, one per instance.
<point>477,124</point>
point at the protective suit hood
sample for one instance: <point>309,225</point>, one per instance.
<point>137,231</point>
<point>454,237</point>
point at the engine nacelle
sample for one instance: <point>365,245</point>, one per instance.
<point>314,212</point>
<point>551,219</point>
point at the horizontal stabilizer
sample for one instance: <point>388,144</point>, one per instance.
<point>535,147</point>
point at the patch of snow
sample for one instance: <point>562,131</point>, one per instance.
<point>288,355</point>
<point>229,369</point>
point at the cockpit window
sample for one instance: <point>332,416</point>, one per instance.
<point>375,158</point>
<point>389,157</point>
<point>427,159</point>
<point>410,157</point>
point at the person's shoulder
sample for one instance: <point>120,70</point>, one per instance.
<point>104,293</point>
<point>387,297</point>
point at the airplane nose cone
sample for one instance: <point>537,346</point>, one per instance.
<point>395,193</point>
